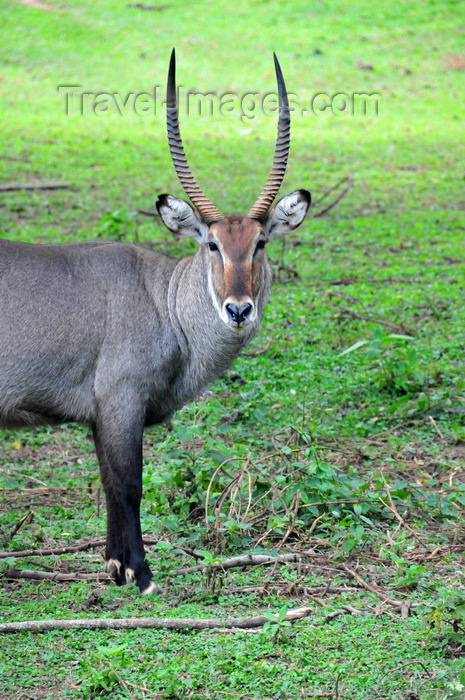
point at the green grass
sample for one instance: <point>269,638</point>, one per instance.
<point>317,441</point>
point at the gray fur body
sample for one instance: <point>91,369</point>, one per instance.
<point>82,323</point>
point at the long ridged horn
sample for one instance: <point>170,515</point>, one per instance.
<point>275,178</point>
<point>208,211</point>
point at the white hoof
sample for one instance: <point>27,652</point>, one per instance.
<point>130,576</point>
<point>113,567</point>
<point>152,588</point>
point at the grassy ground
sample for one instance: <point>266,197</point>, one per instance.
<point>356,456</point>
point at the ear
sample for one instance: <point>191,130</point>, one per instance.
<point>181,218</point>
<point>288,213</point>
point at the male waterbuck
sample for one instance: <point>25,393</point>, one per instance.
<point>120,337</point>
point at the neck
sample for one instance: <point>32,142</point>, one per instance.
<point>208,346</point>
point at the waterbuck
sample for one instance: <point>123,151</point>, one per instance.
<point>120,337</point>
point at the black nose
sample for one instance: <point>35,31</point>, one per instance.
<point>239,315</point>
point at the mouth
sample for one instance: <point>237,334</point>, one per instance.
<point>238,326</point>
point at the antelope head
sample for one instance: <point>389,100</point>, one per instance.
<point>234,245</point>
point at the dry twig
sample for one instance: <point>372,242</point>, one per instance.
<point>435,426</point>
<point>348,180</point>
<point>399,604</point>
<point>255,351</point>
<point>346,609</point>
<point>292,511</point>
<point>35,186</point>
<point>147,212</point>
<point>396,327</point>
<point>391,506</point>
<point>28,518</point>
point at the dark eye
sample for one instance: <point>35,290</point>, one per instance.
<point>260,245</point>
<point>212,245</point>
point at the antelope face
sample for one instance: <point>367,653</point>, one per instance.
<point>238,269</point>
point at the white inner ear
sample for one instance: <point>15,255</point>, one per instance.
<point>181,218</point>
<point>288,213</point>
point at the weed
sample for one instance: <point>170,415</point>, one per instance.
<point>276,625</point>
<point>103,670</point>
<point>446,616</point>
<point>396,362</point>
<point>118,225</point>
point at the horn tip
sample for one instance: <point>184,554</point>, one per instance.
<point>173,60</point>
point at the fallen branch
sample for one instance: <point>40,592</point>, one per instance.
<point>70,549</point>
<point>20,554</point>
<point>244,560</point>
<point>54,576</point>
<point>234,562</point>
<point>149,622</point>
<point>35,186</point>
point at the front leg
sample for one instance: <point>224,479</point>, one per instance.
<point>114,541</point>
<point>118,432</point>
